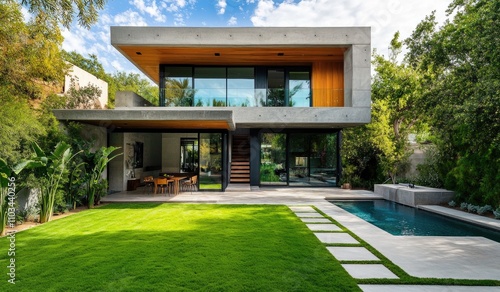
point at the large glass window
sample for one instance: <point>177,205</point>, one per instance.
<point>273,159</point>
<point>312,159</point>
<point>236,86</point>
<point>210,84</point>
<point>241,87</point>
<point>179,86</point>
<point>210,161</point>
<point>299,89</point>
<point>189,154</point>
<point>275,87</point>
<point>299,159</point>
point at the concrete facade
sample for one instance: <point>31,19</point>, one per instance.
<point>348,48</point>
<point>130,99</point>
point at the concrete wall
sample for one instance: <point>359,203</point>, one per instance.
<point>83,78</point>
<point>130,99</point>
<point>413,196</point>
<point>116,166</point>
<point>171,150</point>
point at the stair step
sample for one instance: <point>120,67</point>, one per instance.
<point>240,180</point>
<point>239,176</point>
<point>240,170</point>
<point>241,167</point>
<point>245,172</point>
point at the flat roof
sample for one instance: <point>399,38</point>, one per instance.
<point>148,47</point>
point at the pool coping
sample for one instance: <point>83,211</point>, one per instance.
<point>463,216</point>
<point>445,257</point>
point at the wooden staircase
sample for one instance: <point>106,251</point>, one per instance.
<point>240,160</point>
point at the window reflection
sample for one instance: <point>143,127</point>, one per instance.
<point>210,84</point>
<point>241,87</point>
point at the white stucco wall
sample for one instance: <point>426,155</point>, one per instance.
<point>84,78</point>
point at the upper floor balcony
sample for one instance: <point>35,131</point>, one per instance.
<point>299,96</point>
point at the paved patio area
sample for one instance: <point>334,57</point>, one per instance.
<point>430,256</point>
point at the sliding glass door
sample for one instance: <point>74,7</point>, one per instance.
<point>299,159</point>
<point>210,145</point>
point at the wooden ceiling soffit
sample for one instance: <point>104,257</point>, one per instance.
<point>148,58</point>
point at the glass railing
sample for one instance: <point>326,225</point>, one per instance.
<point>247,97</point>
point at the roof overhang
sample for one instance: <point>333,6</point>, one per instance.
<point>149,47</point>
<point>152,118</point>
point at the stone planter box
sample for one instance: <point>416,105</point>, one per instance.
<point>413,196</point>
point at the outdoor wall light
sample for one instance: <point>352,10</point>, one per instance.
<point>217,54</point>
<point>138,53</point>
<point>281,54</point>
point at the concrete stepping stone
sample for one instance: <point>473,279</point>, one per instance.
<point>335,238</point>
<point>347,253</point>
<point>302,209</point>
<point>323,227</point>
<point>315,220</point>
<point>310,215</point>
<point>369,271</point>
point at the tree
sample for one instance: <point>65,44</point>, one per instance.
<point>63,11</point>
<point>133,82</point>
<point>463,100</point>
<point>30,60</point>
<point>396,91</point>
<point>53,174</point>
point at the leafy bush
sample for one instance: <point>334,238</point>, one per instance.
<point>472,208</point>
<point>497,213</point>
<point>452,203</point>
<point>463,206</point>
<point>482,210</point>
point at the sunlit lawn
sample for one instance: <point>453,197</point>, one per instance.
<point>174,247</point>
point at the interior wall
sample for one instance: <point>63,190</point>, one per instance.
<point>171,151</point>
<point>117,165</point>
<point>120,167</point>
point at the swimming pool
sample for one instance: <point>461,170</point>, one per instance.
<point>402,220</point>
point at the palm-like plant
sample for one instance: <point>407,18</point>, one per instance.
<point>53,172</point>
<point>101,159</point>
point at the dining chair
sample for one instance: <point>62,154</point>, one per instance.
<point>191,184</point>
<point>163,184</point>
<point>149,184</point>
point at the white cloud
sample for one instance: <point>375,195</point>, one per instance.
<point>179,20</point>
<point>232,21</point>
<point>384,17</point>
<point>117,65</point>
<point>129,18</point>
<point>151,9</point>
<point>221,6</point>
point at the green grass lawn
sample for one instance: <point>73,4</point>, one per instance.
<point>174,247</point>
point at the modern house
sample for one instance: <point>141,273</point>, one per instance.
<point>258,106</point>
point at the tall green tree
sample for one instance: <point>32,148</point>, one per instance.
<point>133,82</point>
<point>396,91</point>
<point>463,98</point>
<point>63,11</point>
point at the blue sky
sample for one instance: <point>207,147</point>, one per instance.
<point>384,16</point>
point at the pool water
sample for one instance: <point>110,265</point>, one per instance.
<point>402,220</point>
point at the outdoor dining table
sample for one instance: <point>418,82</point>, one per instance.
<point>174,179</point>
<point>177,179</point>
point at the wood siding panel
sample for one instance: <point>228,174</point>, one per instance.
<point>328,84</point>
